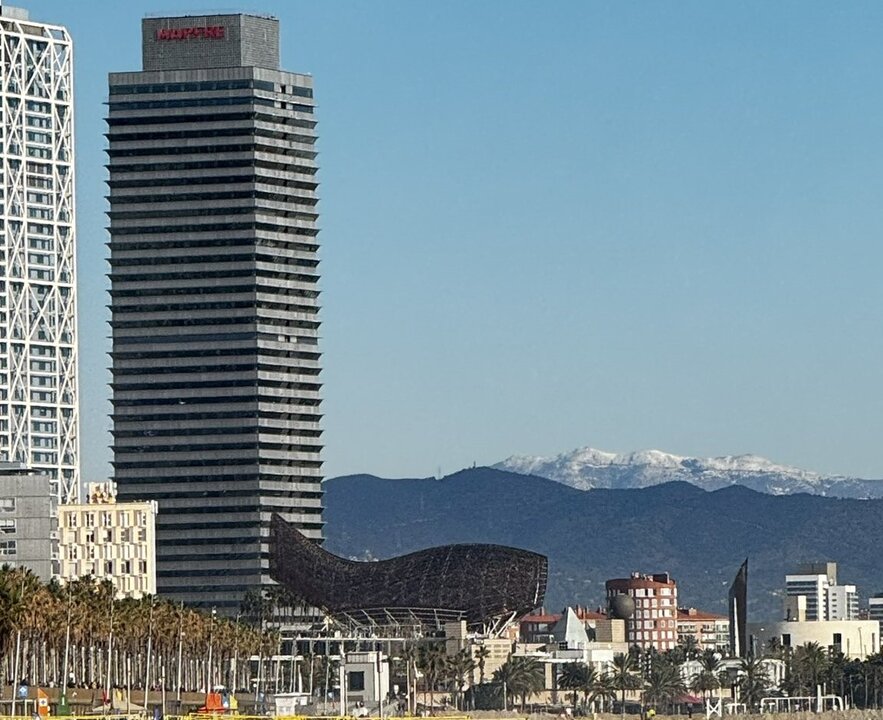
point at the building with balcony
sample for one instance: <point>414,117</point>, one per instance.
<point>654,622</point>
<point>110,540</point>
<point>214,287</point>
<point>710,631</point>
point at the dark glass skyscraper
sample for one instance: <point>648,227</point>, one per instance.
<point>214,299</point>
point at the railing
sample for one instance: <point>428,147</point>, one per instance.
<point>213,716</point>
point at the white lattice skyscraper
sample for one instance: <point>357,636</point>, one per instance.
<point>38,329</point>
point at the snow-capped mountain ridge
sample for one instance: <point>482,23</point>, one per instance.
<point>586,468</point>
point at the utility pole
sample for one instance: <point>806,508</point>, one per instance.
<point>180,651</point>
<point>208,673</point>
<point>149,649</point>
<point>109,654</point>
<point>16,679</point>
<point>67,645</point>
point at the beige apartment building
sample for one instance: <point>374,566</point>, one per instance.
<point>110,540</point>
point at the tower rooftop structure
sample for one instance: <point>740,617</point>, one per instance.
<point>223,41</point>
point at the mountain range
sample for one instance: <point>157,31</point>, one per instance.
<point>587,468</point>
<point>589,536</point>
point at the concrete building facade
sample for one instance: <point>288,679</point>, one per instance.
<point>110,541</point>
<point>28,521</point>
<point>38,302</point>
<point>654,623</point>
<point>215,300</point>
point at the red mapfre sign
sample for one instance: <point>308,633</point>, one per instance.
<point>213,32</point>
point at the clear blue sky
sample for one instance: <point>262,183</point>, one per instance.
<point>545,225</point>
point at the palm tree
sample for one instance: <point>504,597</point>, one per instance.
<point>574,677</point>
<point>65,631</point>
<point>625,676</point>
<point>663,684</point>
<point>482,653</point>
<point>520,676</point>
<point>589,683</point>
<point>604,690</point>
<point>753,682</point>
<point>690,646</point>
<point>431,661</point>
<point>411,656</point>
<point>529,678</point>
<point>707,681</point>
<point>808,667</point>
<point>774,648</point>
<point>459,666</point>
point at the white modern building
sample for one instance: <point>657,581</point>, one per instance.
<point>875,609</point>
<point>110,541</point>
<point>842,602</point>
<point>364,684</point>
<point>38,314</point>
<point>825,599</point>
<point>856,639</point>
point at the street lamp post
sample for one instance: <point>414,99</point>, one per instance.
<point>208,673</point>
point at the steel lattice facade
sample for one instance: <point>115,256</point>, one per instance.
<point>38,349</point>
<point>480,584</point>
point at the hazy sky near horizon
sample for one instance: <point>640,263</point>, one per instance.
<point>546,225</point>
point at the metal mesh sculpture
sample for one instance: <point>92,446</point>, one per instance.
<point>482,584</point>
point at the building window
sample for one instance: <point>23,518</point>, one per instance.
<point>7,548</point>
<point>7,527</point>
<point>7,504</point>
<point>356,680</point>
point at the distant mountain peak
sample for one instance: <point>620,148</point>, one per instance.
<point>586,468</point>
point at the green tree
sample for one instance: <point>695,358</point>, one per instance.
<point>459,666</point>
<point>604,690</point>
<point>690,646</point>
<point>432,662</point>
<point>573,677</point>
<point>520,676</point>
<point>482,653</point>
<point>809,664</point>
<point>625,677</point>
<point>753,682</point>
<point>663,684</point>
<point>707,680</point>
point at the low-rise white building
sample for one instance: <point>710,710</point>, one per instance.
<point>856,639</point>
<point>364,683</point>
<point>110,541</point>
